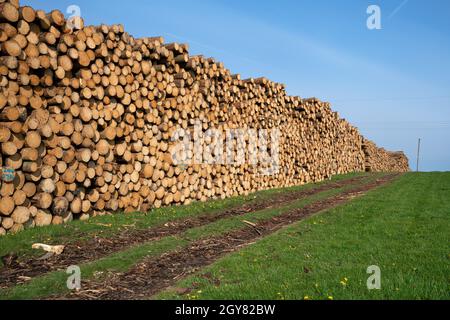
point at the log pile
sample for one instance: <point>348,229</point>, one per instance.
<point>88,115</point>
<point>381,160</point>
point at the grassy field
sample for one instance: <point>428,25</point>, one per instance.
<point>402,227</point>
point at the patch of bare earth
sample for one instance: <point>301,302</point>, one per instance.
<point>156,274</point>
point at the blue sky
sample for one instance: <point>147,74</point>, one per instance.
<point>393,83</point>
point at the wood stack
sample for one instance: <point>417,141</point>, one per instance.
<point>87,115</point>
<point>380,160</point>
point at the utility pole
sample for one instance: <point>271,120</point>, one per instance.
<point>418,155</point>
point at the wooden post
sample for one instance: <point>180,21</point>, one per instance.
<point>418,154</point>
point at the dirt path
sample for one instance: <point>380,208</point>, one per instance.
<point>156,274</point>
<point>16,272</point>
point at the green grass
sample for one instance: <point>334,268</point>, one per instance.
<point>108,226</point>
<point>54,282</point>
<point>403,228</point>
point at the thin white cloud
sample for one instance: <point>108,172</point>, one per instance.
<point>398,9</point>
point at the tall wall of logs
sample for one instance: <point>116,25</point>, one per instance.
<point>87,115</point>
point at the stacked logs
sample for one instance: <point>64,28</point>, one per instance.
<point>87,117</point>
<point>381,160</point>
